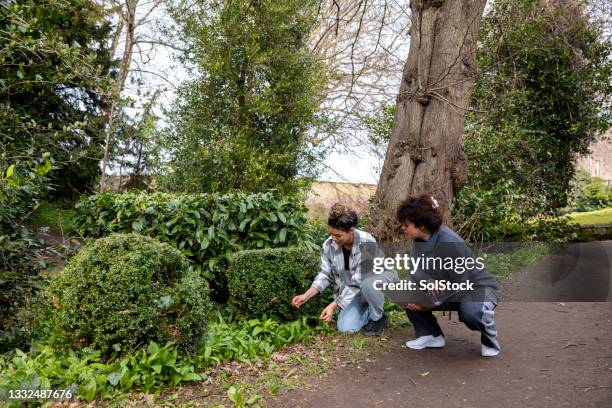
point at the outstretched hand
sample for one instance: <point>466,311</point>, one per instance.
<point>416,308</point>
<point>298,301</point>
<point>328,313</point>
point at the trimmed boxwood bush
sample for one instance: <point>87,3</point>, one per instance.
<point>207,228</point>
<point>263,282</point>
<point>122,291</point>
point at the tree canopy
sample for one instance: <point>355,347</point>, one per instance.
<point>541,97</point>
<point>242,122</point>
<point>54,70</point>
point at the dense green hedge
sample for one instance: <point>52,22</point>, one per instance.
<point>122,291</point>
<point>207,228</point>
<point>563,229</point>
<point>263,282</point>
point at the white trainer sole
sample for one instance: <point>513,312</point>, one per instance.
<point>433,342</point>
<point>488,351</point>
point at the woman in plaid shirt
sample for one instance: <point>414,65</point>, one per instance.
<point>346,263</point>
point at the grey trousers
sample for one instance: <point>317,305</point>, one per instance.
<point>477,316</point>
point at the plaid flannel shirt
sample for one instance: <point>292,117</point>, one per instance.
<point>347,284</point>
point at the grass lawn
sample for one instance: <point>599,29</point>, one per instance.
<point>593,217</point>
<point>503,264</point>
<point>55,217</point>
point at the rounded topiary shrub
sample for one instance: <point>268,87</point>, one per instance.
<point>121,291</point>
<point>263,282</point>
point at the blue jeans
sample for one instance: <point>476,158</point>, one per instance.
<point>352,318</point>
<point>368,304</point>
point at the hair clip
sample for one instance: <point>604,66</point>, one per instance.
<point>435,203</point>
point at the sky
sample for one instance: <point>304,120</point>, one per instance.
<point>355,167</point>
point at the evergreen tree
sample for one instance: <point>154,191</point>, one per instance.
<point>242,122</point>
<point>54,67</point>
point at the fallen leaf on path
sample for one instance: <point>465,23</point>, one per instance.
<point>569,345</point>
<point>424,374</point>
<point>279,357</point>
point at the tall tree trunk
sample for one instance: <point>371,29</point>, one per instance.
<point>127,21</point>
<point>425,149</point>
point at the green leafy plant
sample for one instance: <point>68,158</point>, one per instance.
<point>21,185</point>
<point>544,91</point>
<point>540,100</point>
<point>124,290</point>
<point>264,282</point>
<point>21,249</point>
<point>560,229</point>
<point>245,340</point>
<point>589,193</point>
<point>207,228</point>
<point>55,73</point>
<point>238,397</point>
<point>150,368</point>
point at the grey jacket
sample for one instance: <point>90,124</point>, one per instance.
<point>446,243</point>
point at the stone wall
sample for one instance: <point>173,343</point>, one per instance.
<point>324,194</point>
<point>595,232</point>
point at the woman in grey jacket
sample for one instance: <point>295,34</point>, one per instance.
<point>421,220</point>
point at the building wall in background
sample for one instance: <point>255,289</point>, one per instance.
<point>599,162</point>
<point>324,194</point>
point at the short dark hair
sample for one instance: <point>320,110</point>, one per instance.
<point>342,217</point>
<point>421,210</point>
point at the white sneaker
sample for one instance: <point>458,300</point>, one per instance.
<point>486,351</point>
<point>425,342</point>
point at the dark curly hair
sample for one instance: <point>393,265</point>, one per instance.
<point>342,217</point>
<point>421,210</point>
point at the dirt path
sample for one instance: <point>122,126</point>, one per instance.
<point>554,355</point>
<point>55,248</point>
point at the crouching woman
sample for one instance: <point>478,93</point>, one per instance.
<point>346,263</point>
<point>420,219</point>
